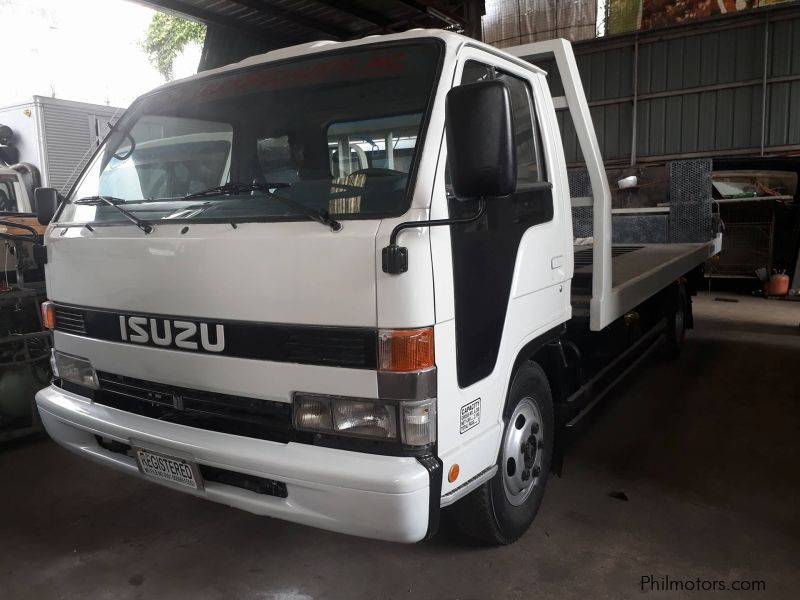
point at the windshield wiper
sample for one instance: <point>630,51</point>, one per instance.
<point>320,216</point>
<point>235,188</point>
<point>111,201</point>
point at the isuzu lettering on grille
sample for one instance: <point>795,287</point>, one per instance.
<point>172,334</point>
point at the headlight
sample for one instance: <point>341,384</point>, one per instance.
<point>413,423</point>
<point>357,417</point>
<point>312,413</point>
<point>75,369</point>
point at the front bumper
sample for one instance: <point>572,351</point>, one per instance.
<point>382,497</point>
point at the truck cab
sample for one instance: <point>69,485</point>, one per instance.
<point>14,197</point>
<point>19,228</point>
<point>309,310</point>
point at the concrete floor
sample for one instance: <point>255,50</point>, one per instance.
<point>706,449</point>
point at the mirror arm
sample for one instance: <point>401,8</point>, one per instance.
<point>395,258</point>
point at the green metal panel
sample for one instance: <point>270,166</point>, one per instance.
<point>698,89</point>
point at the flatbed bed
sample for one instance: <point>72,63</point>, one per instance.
<point>609,279</point>
<point>638,271</point>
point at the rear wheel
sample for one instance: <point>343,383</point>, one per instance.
<point>676,325</point>
<point>503,508</point>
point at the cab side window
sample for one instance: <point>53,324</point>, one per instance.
<point>526,129</point>
<point>475,71</point>
<point>529,165</point>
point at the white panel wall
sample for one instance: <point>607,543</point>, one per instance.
<point>71,137</point>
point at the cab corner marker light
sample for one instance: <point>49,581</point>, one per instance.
<point>405,350</point>
<point>48,315</point>
<point>452,475</point>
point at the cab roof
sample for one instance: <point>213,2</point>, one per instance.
<point>452,40</point>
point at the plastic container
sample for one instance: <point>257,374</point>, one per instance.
<point>778,285</point>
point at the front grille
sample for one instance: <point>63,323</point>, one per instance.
<point>70,320</point>
<point>236,415</point>
<point>328,348</point>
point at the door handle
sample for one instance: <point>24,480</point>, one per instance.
<point>557,262</point>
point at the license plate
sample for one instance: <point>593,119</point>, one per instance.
<point>167,468</point>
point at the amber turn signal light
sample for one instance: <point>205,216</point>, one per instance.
<point>48,315</point>
<point>452,475</point>
<point>405,349</point>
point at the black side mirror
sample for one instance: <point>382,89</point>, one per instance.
<point>46,202</point>
<point>480,140</point>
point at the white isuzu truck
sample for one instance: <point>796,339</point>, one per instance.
<point>335,284</point>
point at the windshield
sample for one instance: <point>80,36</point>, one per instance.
<point>341,129</point>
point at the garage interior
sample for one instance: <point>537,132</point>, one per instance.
<point>689,468</point>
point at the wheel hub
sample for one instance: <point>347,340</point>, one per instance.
<point>522,456</point>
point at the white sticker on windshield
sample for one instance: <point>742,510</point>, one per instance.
<point>470,415</point>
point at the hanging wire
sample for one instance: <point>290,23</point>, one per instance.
<point>5,287</point>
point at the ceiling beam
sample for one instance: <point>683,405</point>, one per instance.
<point>434,10</point>
<point>269,9</point>
<point>208,17</point>
<point>373,20</point>
<point>473,24</point>
<point>364,14</point>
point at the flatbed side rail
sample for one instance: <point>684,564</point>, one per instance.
<point>601,311</point>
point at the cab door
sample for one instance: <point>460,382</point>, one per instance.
<point>499,281</point>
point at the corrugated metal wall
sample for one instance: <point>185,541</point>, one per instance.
<point>703,89</point>
<point>71,137</point>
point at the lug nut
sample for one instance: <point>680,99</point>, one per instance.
<point>535,471</point>
<point>526,474</point>
<point>534,428</point>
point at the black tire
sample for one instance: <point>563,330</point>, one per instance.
<point>489,514</point>
<point>676,325</point>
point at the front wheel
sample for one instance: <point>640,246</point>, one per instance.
<point>503,508</point>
